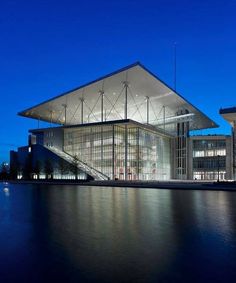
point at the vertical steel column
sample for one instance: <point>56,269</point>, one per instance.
<point>82,110</point>
<point>126,131</point>
<point>101,95</point>
<point>164,118</point>
<point>126,153</point>
<point>113,152</point>
<point>138,156</point>
<point>126,100</point>
<point>102,103</point>
<point>182,150</point>
<point>147,99</point>
<point>102,149</point>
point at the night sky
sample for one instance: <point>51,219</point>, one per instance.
<point>51,46</point>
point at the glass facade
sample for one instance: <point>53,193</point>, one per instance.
<point>181,150</point>
<point>121,151</point>
<point>209,159</point>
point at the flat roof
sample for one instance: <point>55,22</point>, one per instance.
<point>229,114</point>
<point>163,100</point>
<point>209,137</point>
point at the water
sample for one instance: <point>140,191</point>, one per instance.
<point>92,234</point>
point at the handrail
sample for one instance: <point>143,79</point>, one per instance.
<point>80,164</point>
<point>85,164</point>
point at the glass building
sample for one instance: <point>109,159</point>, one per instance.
<point>127,125</point>
<point>210,157</point>
<point>229,114</point>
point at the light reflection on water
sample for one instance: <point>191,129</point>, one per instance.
<point>91,234</point>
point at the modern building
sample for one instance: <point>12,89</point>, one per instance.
<point>229,114</point>
<point>128,125</point>
<point>210,157</point>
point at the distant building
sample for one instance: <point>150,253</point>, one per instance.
<point>210,157</point>
<point>229,114</point>
<point>128,125</point>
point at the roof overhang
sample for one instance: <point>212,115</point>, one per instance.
<point>108,93</point>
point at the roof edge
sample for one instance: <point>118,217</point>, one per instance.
<point>137,63</point>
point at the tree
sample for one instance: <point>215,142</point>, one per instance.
<point>74,167</point>
<point>4,171</point>
<point>14,170</point>
<point>62,167</point>
<point>27,168</point>
<point>37,168</point>
<point>48,169</point>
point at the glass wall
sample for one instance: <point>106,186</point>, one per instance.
<point>209,159</point>
<point>181,149</point>
<point>145,155</point>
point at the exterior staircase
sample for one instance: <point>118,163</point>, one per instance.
<point>97,175</point>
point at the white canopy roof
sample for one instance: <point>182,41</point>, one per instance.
<point>149,100</point>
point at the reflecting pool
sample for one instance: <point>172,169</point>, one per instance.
<point>100,234</point>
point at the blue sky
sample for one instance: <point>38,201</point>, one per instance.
<point>48,47</point>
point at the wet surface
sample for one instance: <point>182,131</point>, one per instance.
<point>92,234</point>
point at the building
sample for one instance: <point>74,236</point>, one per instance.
<point>229,114</point>
<point>210,157</point>
<point>128,125</point>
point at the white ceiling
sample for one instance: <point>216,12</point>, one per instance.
<point>163,101</point>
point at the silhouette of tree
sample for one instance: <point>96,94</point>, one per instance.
<point>4,171</point>
<point>27,168</point>
<point>48,169</point>
<point>37,168</point>
<point>14,170</point>
<point>74,167</point>
<point>62,167</point>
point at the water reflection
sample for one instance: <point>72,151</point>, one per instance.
<point>123,235</point>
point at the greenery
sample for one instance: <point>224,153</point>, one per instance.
<point>4,171</point>
<point>74,167</point>
<point>48,169</point>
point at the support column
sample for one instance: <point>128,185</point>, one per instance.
<point>102,165</point>
<point>102,104</point>
<point>113,152</point>
<point>126,153</point>
<point>164,118</point>
<point>138,155</point>
<point>82,110</point>
<point>147,100</point>
<point>126,84</point>
<point>126,131</point>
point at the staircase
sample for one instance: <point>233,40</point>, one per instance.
<point>97,175</point>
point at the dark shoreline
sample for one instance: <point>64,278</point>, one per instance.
<point>180,185</point>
